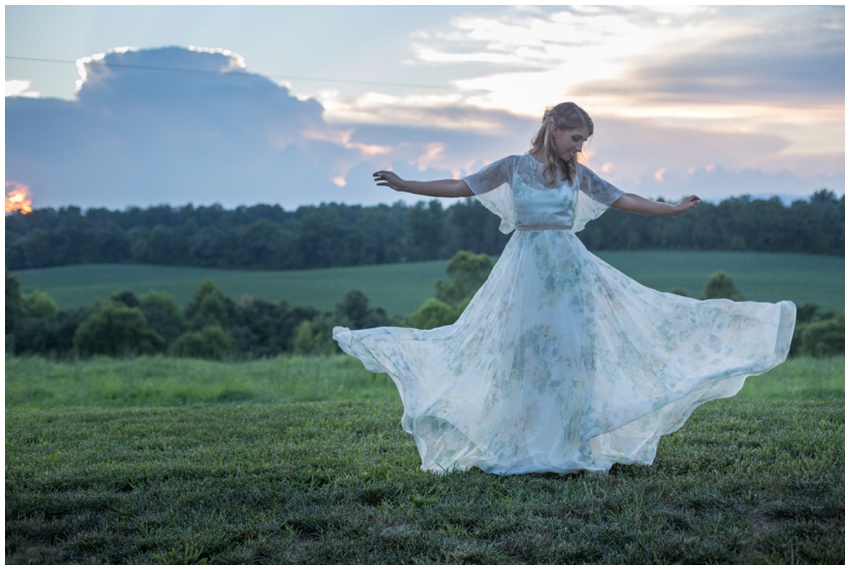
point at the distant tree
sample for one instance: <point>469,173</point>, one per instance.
<point>42,248</point>
<point>210,306</point>
<point>817,332</point>
<point>111,244</point>
<point>353,311</point>
<point>424,229</point>
<point>824,338</point>
<point>434,313</point>
<point>335,235</point>
<point>164,316</point>
<point>737,242</point>
<point>210,343</point>
<point>116,330</point>
<point>38,304</point>
<point>127,298</point>
<point>160,246</point>
<point>313,338</point>
<point>265,246</point>
<point>807,312</point>
<point>266,329</point>
<point>472,227</point>
<point>378,232</point>
<point>721,286</point>
<point>14,309</point>
<point>52,335</point>
<point>467,272</point>
<point>321,238</point>
<point>305,339</point>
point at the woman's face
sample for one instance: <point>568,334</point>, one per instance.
<point>568,142</point>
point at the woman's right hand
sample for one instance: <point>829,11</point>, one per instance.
<point>450,188</point>
<point>388,178</point>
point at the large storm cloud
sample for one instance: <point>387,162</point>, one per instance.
<point>177,125</point>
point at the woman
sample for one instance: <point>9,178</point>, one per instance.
<point>560,363</point>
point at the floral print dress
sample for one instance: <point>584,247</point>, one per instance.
<point>560,363</point>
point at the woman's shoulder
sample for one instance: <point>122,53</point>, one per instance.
<point>510,159</point>
<point>505,165</point>
<point>583,169</point>
<point>514,162</point>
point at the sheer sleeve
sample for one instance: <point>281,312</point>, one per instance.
<point>492,187</point>
<point>595,197</point>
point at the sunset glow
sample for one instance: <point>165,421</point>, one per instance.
<point>18,198</point>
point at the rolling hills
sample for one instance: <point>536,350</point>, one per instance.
<point>402,288</point>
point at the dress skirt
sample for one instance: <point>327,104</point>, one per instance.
<point>561,363</point>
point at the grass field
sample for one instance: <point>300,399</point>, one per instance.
<point>402,288</point>
<point>302,461</point>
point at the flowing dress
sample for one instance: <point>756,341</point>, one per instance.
<point>561,363</point>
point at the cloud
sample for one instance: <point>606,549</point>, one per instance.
<point>754,93</point>
<point>790,55</point>
<point>715,184</point>
<point>660,161</point>
<point>177,125</point>
<point>174,125</point>
<point>19,88</point>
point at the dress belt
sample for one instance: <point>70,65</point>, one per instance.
<point>530,228</point>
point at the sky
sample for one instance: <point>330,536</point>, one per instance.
<point>119,106</point>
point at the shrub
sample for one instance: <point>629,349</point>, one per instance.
<point>210,343</point>
<point>467,272</point>
<point>38,304</point>
<point>210,306</point>
<point>116,330</point>
<point>163,314</point>
<point>314,337</point>
<point>434,313</point>
<point>721,286</point>
<point>353,311</point>
<point>823,338</point>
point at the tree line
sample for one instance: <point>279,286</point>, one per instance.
<point>210,326</point>
<point>337,235</point>
<point>215,326</point>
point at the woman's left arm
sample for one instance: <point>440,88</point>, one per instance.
<point>640,205</point>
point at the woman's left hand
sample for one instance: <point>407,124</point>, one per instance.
<point>687,203</point>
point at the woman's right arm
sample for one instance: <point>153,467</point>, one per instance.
<point>433,188</point>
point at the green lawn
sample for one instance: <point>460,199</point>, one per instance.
<point>402,288</point>
<point>36,383</point>
<point>302,461</point>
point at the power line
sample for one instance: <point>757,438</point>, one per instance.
<point>338,80</point>
<point>205,71</point>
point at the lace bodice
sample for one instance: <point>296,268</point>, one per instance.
<point>514,189</point>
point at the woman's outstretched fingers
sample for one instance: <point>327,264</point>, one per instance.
<point>689,202</point>
<point>387,178</point>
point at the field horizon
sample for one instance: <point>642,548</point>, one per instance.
<point>402,288</point>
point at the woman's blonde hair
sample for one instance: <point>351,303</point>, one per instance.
<point>565,116</point>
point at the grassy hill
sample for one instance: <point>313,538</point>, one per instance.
<point>303,461</point>
<point>402,288</point>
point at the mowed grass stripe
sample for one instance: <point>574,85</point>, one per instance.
<point>40,383</point>
<point>744,482</point>
<point>402,288</point>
